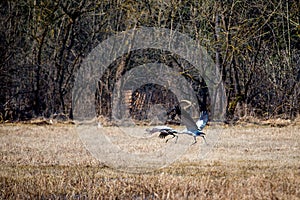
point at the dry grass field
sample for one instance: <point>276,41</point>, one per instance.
<point>247,162</point>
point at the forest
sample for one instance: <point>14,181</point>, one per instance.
<point>254,44</point>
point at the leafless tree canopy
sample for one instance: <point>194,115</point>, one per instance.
<point>255,44</point>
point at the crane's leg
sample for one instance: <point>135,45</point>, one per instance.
<point>176,138</point>
<point>204,139</point>
<point>195,140</point>
<point>172,138</point>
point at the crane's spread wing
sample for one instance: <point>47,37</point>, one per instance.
<point>201,123</point>
<point>188,121</point>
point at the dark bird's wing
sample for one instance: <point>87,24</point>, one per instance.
<point>160,129</point>
<point>163,134</point>
<point>201,123</point>
<point>188,121</point>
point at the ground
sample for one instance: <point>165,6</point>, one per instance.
<point>246,162</point>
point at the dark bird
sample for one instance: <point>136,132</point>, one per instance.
<point>192,128</point>
<point>164,132</point>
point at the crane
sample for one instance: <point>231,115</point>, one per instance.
<point>192,128</point>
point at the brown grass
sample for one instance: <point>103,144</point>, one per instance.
<point>50,162</point>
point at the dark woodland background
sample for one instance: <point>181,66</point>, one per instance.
<point>255,44</point>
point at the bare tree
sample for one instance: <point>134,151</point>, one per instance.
<point>255,44</point>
